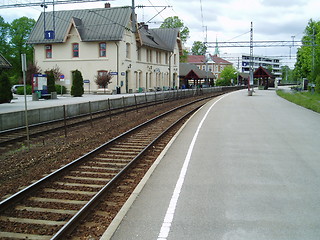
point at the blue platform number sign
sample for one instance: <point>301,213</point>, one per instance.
<point>49,34</point>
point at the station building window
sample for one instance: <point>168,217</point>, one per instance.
<point>128,50</point>
<point>102,49</point>
<point>75,50</point>
<point>48,49</point>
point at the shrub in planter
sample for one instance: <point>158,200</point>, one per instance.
<point>5,89</point>
<point>77,89</point>
<point>50,82</point>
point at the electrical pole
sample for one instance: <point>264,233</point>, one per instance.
<point>313,43</point>
<point>24,69</point>
<point>133,18</point>
<point>251,55</point>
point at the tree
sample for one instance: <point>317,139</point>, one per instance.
<point>270,68</point>
<point>56,72</point>
<point>4,30</point>
<point>77,84</point>
<point>53,75</point>
<point>103,80</point>
<point>227,74</point>
<point>317,87</point>
<point>175,22</point>
<point>5,88</point>
<point>19,32</point>
<point>198,48</point>
<point>287,74</point>
<point>31,70</point>
<point>184,56</point>
<point>308,56</point>
<point>50,82</point>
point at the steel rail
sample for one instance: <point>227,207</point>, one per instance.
<point>120,110</point>
<point>17,196</point>
<point>69,226</point>
<point>83,212</point>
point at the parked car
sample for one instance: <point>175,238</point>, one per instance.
<point>15,88</point>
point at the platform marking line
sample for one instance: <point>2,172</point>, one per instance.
<point>166,225</point>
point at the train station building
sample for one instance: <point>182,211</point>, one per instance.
<point>107,40</point>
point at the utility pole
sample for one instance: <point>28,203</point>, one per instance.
<point>238,70</point>
<point>251,55</point>
<point>313,43</point>
<point>24,69</point>
<point>133,18</point>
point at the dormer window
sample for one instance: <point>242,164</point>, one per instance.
<point>75,50</point>
<point>48,50</point>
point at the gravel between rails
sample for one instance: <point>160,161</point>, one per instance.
<point>20,167</point>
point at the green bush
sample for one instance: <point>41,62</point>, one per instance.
<point>50,82</point>
<point>58,89</point>
<point>5,88</point>
<point>77,89</point>
<point>20,90</point>
<point>317,87</point>
<point>223,82</point>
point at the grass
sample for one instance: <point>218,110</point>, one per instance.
<point>305,99</point>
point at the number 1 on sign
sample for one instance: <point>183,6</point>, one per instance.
<point>49,34</point>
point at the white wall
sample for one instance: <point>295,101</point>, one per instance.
<point>151,74</point>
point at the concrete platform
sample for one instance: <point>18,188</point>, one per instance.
<point>17,103</point>
<point>244,167</point>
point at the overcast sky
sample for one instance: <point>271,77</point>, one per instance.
<point>224,19</point>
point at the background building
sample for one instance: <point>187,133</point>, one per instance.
<point>241,62</point>
<point>215,64</point>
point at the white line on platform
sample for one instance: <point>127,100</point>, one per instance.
<point>166,225</point>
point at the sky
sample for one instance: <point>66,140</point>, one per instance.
<point>227,20</point>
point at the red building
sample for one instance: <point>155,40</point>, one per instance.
<point>215,64</point>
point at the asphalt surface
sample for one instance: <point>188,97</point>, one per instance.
<point>243,168</point>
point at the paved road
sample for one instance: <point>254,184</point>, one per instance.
<point>253,173</point>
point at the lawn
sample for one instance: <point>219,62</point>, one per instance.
<point>305,99</point>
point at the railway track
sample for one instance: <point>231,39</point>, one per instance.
<point>18,135</point>
<point>36,131</point>
<point>54,206</point>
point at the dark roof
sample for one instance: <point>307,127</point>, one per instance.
<point>186,68</point>
<point>262,73</point>
<point>202,59</point>
<point>196,59</point>
<point>161,38</point>
<point>103,24</point>
<point>244,75</point>
<point>220,60</point>
<point>4,63</point>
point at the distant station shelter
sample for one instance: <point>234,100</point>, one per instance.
<point>243,78</point>
<point>190,75</point>
<point>265,77</point>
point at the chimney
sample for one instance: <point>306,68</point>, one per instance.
<point>107,5</point>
